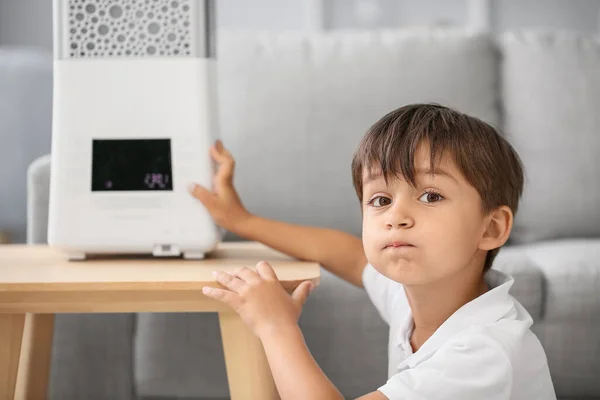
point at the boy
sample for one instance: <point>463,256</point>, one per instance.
<point>438,192</point>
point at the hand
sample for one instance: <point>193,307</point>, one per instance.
<point>223,204</point>
<point>259,299</point>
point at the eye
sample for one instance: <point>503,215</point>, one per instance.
<point>379,201</point>
<point>431,197</point>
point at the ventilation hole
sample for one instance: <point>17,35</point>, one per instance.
<point>139,13</point>
<point>154,28</point>
<point>174,4</point>
<point>103,30</point>
<point>171,37</point>
<point>115,11</point>
<point>90,8</point>
<point>79,17</point>
<point>151,49</point>
<point>74,46</point>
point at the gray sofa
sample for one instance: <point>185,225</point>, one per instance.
<point>293,108</point>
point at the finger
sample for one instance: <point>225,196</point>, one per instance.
<point>231,282</point>
<point>246,274</point>
<point>220,153</point>
<point>233,300</point>
<point>301,293</point>
<point>226,164</point>
<point>265,270</point>
<point>205,196</point>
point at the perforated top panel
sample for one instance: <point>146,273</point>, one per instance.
<point>135,28</point>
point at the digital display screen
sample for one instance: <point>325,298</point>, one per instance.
<point>131,165</point>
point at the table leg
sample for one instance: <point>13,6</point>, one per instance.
<point>36,354</point>
<point>248,372</point>
<point>11,333</point>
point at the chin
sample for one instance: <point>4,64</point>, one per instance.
<point>399,270</point>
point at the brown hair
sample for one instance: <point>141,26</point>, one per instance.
<point>486,159</point>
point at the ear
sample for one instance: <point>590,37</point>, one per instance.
<point>497,229</point>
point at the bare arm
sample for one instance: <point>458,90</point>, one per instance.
<point>296,373</point>
<point>272,314</point>
<point>338,252</point>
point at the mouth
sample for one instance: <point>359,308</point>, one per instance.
<point>398,245</point>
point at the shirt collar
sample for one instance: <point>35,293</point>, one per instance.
<point>485,309</point>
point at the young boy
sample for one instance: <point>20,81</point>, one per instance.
<point>438,192</point>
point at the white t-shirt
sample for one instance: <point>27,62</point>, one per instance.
<point>485,350</point>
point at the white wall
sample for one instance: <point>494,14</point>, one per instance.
<point>26,22</point>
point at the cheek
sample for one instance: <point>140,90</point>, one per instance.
<point>454,238</point>
<point>369,238</point>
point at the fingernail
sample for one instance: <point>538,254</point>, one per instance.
<point>215,273</point>
<point>206,289</point>
<point>191,187</point>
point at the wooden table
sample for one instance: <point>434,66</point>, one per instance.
<point>36,282</point>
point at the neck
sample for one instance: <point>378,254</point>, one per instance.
<point>432,304</point>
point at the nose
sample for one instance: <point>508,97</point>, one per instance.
<point>399,218</point>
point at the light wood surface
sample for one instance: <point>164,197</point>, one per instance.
<point>251,379</point>
<point>37,281</point>
<point>11,332</point>
<point>36,352</point>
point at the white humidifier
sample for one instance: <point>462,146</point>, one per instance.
<point>134,115</point>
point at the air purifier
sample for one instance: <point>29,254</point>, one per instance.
<point>134,115</point>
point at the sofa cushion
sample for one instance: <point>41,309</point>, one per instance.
<point>528,288</point>
<point>92,357</point>
<point>570,327</point>
<point>294,107</point>
<point>551,97</point>
<point>571,273</point>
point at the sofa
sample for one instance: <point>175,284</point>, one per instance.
<point>293,107</point>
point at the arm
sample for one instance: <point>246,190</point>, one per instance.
<point>272,314</point>
<point>296,373</point>
<point>338,252</point>
<point>296,364</point>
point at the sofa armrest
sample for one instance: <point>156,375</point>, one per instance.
<point>38,194</point>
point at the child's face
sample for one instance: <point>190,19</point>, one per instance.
<point>440,219</point>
